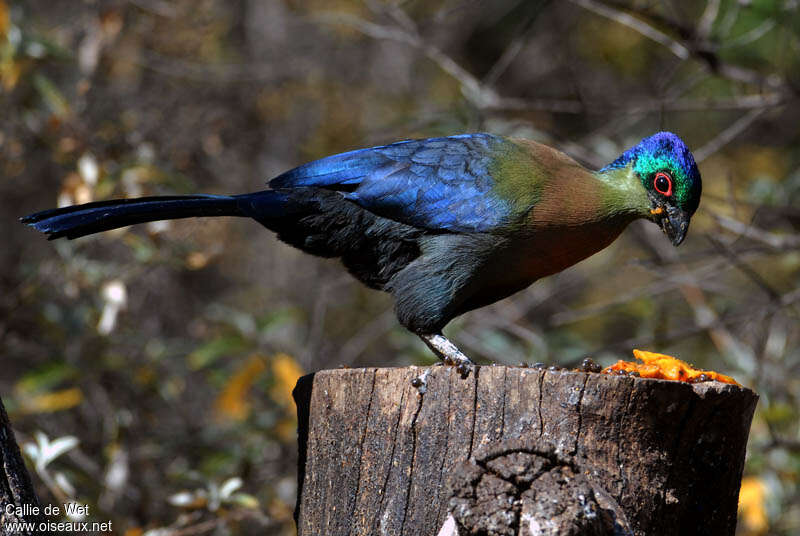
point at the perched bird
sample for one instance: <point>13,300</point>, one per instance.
<point>445,225</point>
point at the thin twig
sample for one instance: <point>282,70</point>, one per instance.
<point>776,241</point>
<point>729,134</point>
<point>728,20</point>
<point>706,22</point>
<point>704,314</point>
<point>721,323</point>
<point>157,7</point>
<point>666,284</point>
<point>371,331</point>
<point>742,102</point>
<point>745,268</point>
<point>751,36</point>
<point>691,46</point>
<point>513,49</point>
<point>483,97</point>
<point>626,19</point>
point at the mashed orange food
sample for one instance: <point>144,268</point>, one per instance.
<point>665,367</point>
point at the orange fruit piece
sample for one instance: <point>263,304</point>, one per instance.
<point>666,367</point>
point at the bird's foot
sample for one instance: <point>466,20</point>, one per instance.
<point>448,352</point>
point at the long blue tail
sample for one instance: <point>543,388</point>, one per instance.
<point>81,220</point>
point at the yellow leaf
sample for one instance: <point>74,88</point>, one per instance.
<point>231,402</point>
<point>286,372</point>
<point>53,401</point>
<point>4,18</point>
<point>752,509</point>
<point>197,260</point>
<point>145,375</point>
<point>9,73</point>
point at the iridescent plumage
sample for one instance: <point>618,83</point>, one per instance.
<point>445,225</point>
<point>665,150</point>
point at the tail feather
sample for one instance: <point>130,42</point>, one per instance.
<point>316,220</point>
<point>81,220</point>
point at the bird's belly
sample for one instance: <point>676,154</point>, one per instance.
<point>459,273</point>
<point>551,250</point>
<point>524,260</point>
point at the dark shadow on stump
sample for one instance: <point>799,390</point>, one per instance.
<point>302,399</point>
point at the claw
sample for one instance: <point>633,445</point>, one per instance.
<point>448,352</point>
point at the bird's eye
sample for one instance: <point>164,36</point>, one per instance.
<point>663,183</point>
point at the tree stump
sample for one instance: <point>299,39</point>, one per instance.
<point>422,451</point>
<point>18,501</point>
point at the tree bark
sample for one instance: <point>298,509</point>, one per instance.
<point>18,501</point>
<point>421,451</point>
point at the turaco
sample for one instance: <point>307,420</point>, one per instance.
<point>445,225</point>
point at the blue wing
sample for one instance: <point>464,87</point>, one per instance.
<point>442,184</point>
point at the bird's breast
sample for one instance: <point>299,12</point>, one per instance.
<point>552,249</point>
<point>571,221</point>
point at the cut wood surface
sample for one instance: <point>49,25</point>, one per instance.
<point>517,451</point>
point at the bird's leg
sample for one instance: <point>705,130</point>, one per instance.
<point>447,352</point>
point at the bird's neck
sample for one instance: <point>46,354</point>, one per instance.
<point>622,192</point>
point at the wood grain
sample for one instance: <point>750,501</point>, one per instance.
<point>382,454</point>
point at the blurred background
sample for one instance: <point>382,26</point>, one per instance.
<point>148,370</point>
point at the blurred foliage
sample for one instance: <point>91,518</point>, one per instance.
<point>170,350</point>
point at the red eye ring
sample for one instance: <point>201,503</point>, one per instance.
<point>662,183</point>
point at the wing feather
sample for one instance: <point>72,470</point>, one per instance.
<point>441,184</point>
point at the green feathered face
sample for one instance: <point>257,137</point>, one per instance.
<point>669,173</point>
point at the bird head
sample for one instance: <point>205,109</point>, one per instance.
<point>670,176</point>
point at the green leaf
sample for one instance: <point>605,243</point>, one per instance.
<point>216,348</point>
<point>46,378</point>
<point>51,95</point>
